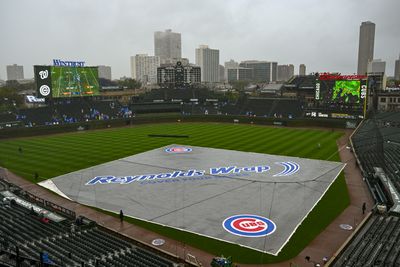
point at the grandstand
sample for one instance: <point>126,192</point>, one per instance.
<point>31,234</point>
<point>376,144</point>
<point>377,148</point>
<point>377,243</point>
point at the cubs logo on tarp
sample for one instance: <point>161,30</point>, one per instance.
<point>248,225</point>
<point>178,149</point>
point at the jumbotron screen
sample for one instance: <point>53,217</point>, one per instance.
<point>346,91</point>
<point>61,81</point>
<point>339,96</point>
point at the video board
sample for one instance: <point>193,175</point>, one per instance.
<point>342,90</point>
<point>64,81</point>
<point>346,91</point>
<point>339,96</point>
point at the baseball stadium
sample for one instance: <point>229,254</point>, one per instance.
<point>193,177</point>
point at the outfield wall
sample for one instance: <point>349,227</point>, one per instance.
<point>165,118</point>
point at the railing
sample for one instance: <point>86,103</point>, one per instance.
<point>40,201</point>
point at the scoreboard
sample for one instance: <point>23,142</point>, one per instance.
<point>339,96</point>
<point>65,81</point>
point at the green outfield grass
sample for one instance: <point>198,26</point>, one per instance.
<point>54,155</point>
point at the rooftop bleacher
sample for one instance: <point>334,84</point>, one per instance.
<point>301,82</point>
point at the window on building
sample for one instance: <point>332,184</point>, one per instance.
<point>383,99</point>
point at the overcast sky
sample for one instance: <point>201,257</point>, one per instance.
<point>321,34</point>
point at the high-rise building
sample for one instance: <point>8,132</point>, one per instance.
<point>231,64</point>
<point>221,73</point>
<point>376,66</point>
<point>240,74</point>
<point>263,71</point>
<point>285,72</point>
<point>291,70</point>
<point>144,68</point>
<point>104,72</point>
<point>397,69</point>
<point>274,71</point>
<point>167,45</point>
<point>365,46</point>
<point>15,72</point>
<point>302,70</point>
<point>208,60</point>
<point>232,74</point>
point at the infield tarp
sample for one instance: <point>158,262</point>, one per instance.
<point>157,186</point>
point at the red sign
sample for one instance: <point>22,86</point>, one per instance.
<point>329,76</point>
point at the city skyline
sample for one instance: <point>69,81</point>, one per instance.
<point>323,36</point>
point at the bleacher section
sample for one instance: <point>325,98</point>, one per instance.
<point>142,108</point>
<point>288,108</point>
<point>67,112</point>
<point>37,116</point>
<point>258,106</point>
<point>266,107</point>
<point>188,101</point>
<point>185,95</point>
<point>376,244</point>
<point>200,109</point>
<point>66,243</point>
<point>229,108</point>
<point>7,117</point>
<point>75,111</point>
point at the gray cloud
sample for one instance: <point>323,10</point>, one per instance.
<point>321,34</point>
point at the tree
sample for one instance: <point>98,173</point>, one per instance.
<point>12,84</point>
<point>239,85</point>
<point>106,82</point>
<point>9,99</point>
<point>130,84</point>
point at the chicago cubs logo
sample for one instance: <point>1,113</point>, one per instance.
<point>248,225</point>
<point>178,149</point>
<point>44,90</point>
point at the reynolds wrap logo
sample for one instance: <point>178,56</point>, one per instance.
<point>290,168</point>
